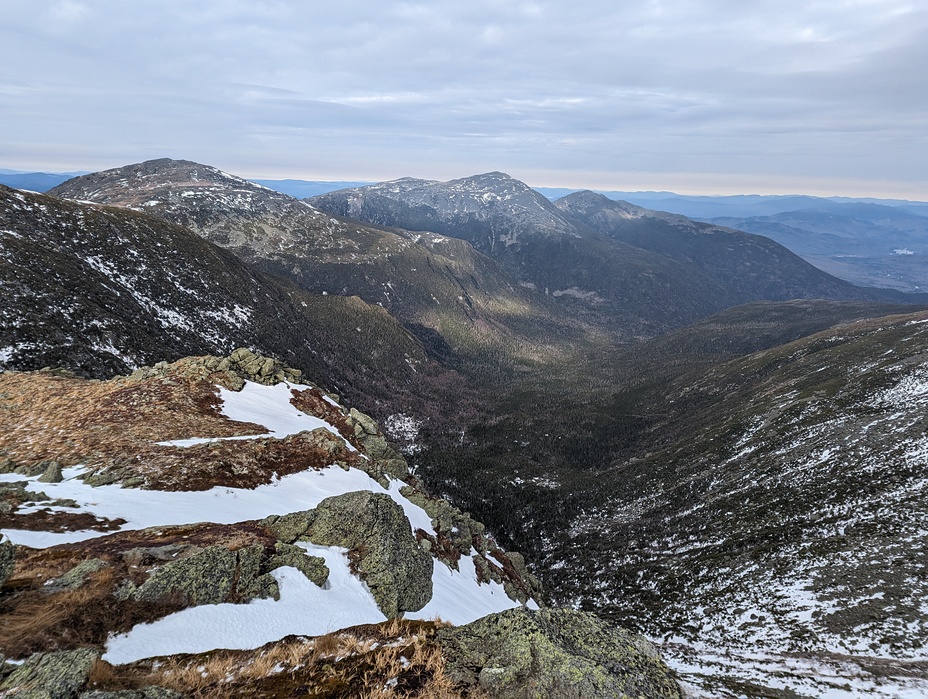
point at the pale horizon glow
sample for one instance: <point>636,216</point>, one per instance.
<point>703,97</point>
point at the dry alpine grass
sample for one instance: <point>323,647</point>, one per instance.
<point>34,616</point>
<point>394,659</point>
<point>114,426</point>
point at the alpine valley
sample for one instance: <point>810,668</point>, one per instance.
<point>258,446</point>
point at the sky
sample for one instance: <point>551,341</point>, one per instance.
<point>699,97</point>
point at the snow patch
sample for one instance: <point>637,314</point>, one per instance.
<point>268,406</point>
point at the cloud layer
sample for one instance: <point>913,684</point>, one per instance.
<point>704,95</point>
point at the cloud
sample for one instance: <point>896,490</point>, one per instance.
<point>419,88</point>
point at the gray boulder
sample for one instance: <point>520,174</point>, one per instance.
<point>524,654</point>
<point>52,473</point>
<point>77,576</point>
<point>383,550</point>
<point>313,567</point>
<point>58,675</point>
<point>6,559</point>
<point>205,577</point>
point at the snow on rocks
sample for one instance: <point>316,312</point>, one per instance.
<point>465,585</point>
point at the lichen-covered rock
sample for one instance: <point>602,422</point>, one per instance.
<point>383,549</point>
<point>58,675</point>
<point>78,575</point>
<point>264,587</point>
<point>206,577</point>
<point>52,473</point>
<point>313,567</point>
<point>6,559</point>
<point>375,445</point>
<point>249,561</point>
<point>288,528</point>
<point>524,654</point>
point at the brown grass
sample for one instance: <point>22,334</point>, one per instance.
<point>394,659</point>
<point>114,426</point>
<point>46,520</point>
<point>42,621</point>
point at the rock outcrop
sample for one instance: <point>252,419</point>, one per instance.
<point>523,654</point>
<point>206,577</point>
<point>50,675</point>
<point>382,548</point>
<point>231,371</point>
<point>313,567</point>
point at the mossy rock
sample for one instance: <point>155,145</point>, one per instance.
<point>525,654</point>
<point>385,553</point>
<point>290,527</point>
<point>313,567</point>
<point>77,576</point>
<point>58,675</point>
<point>205,577</point>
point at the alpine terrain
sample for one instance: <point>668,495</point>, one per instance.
<point>687,430</point>
<point>224,503</point>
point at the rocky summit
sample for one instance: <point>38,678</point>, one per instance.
<point>219,526</point>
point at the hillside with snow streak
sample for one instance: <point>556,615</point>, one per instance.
<point>226,504</point>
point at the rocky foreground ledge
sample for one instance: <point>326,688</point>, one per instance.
<point>218,527</point>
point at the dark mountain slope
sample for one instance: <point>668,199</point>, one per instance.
<point>101,290</point>
<point>776,511</point>
<point>606,281</point>
<point>753,267</point>
<point>613,263</point>
<point>495,212</point>
<point>462,305</point>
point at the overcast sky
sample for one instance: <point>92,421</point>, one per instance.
<point>711,96</point>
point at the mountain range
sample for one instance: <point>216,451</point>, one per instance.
<point>688,429</point>
<point>608,260</point>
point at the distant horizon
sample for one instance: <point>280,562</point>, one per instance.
<point>683,190</point>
